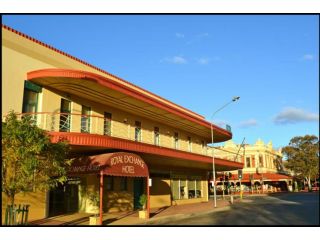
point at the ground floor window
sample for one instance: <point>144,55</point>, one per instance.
<point>186,187</point>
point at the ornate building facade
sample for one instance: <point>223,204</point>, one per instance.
<point>263,169</point>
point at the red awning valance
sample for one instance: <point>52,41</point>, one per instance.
<point>115,164</point>
<point>260,177</point>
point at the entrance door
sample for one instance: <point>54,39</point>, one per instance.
<point>138,187</point>
<point>64,199</point>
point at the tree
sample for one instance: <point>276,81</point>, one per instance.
<point>302,155</point>
<point>29,159</point>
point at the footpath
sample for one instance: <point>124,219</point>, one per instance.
<point>158,216</point>
<point>132,218</point>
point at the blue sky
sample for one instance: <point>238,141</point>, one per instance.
<point>202,61</point>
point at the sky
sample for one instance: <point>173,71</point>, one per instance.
<point>202,61</point>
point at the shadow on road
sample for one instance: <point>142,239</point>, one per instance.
<point>274,209</point>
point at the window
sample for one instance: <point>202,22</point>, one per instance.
<point>30,98</point>
<point>253,161</point>
<point>183,188</point>
<point>156,136</point>
<point>107,124</point>
<point>176,140</point>
<point>203,148</point>
<point>189,144</point>
<point>248,162</point>
<point>123,184</point>
<point>30,101</point>
<point>65,109</point>
<point>85,119</point>
<point>198,188</point>
<point>108,183</point>
<point>260,161</point>
<point>191,188</point>
<point>137,131</point>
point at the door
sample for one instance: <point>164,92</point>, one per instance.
<point>64,199</point>
<point>138,190</point>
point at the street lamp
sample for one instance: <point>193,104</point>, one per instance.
<point>213,165</point>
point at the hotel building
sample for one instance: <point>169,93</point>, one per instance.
<point>135,137</point>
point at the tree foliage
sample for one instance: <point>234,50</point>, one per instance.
<point>302,155</point>
<point>29,159</point>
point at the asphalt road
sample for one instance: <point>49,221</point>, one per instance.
<point>278,209</point>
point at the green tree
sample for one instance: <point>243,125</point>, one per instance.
<point>302,155</point>
<point>29,159</point>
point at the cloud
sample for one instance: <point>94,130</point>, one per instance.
<point>203,61</point>
<point>292,115</point>
<point>179,35</point>
<point>176,60</point>
<point>248,123</point>
<point>201,35</point>
<point>197,38</point>
<point>308,57</point>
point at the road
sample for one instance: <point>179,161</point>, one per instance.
<point>277,209</point>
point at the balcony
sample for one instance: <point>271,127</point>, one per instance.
<point>92,130</point>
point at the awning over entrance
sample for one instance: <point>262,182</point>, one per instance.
<point>115,164</point>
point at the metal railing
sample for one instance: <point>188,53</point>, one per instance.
<point>93,124</point>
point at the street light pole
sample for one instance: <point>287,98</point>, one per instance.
<point>213,164</point>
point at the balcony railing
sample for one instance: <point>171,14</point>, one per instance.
<point>93,124</point>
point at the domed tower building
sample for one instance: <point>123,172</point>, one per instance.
<point>263,169</point>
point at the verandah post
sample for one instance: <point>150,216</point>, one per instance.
<point>148,197</point>
<point>101,196</point>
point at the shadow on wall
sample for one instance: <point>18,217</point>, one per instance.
<point>160,187</point>
<point>36,200</point>
<point>118,202</point>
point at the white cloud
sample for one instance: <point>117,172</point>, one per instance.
<point>179,35</point>
<point>308,57</point>
<point>176,60</point>
<point>203,61</point>
<point>248,123</point>
<point>201,35</point>
<point>197,38</point>
<point>291,115</point>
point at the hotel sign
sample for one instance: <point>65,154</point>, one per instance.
<point>116,164</point>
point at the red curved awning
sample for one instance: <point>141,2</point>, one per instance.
<point>91,84</point>
<point>116,164</point>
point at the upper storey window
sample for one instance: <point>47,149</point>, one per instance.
<point>107,123</point>
<point>248,162</point>
<point>176,140</point>
<point>30,97</point>
<point>137,131</point>
<point>65,110</point>
<point>156,136</point>
<point>260,161</point>
<point>203,147</point>
<point>189,144</point>
<point>85,119</point>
